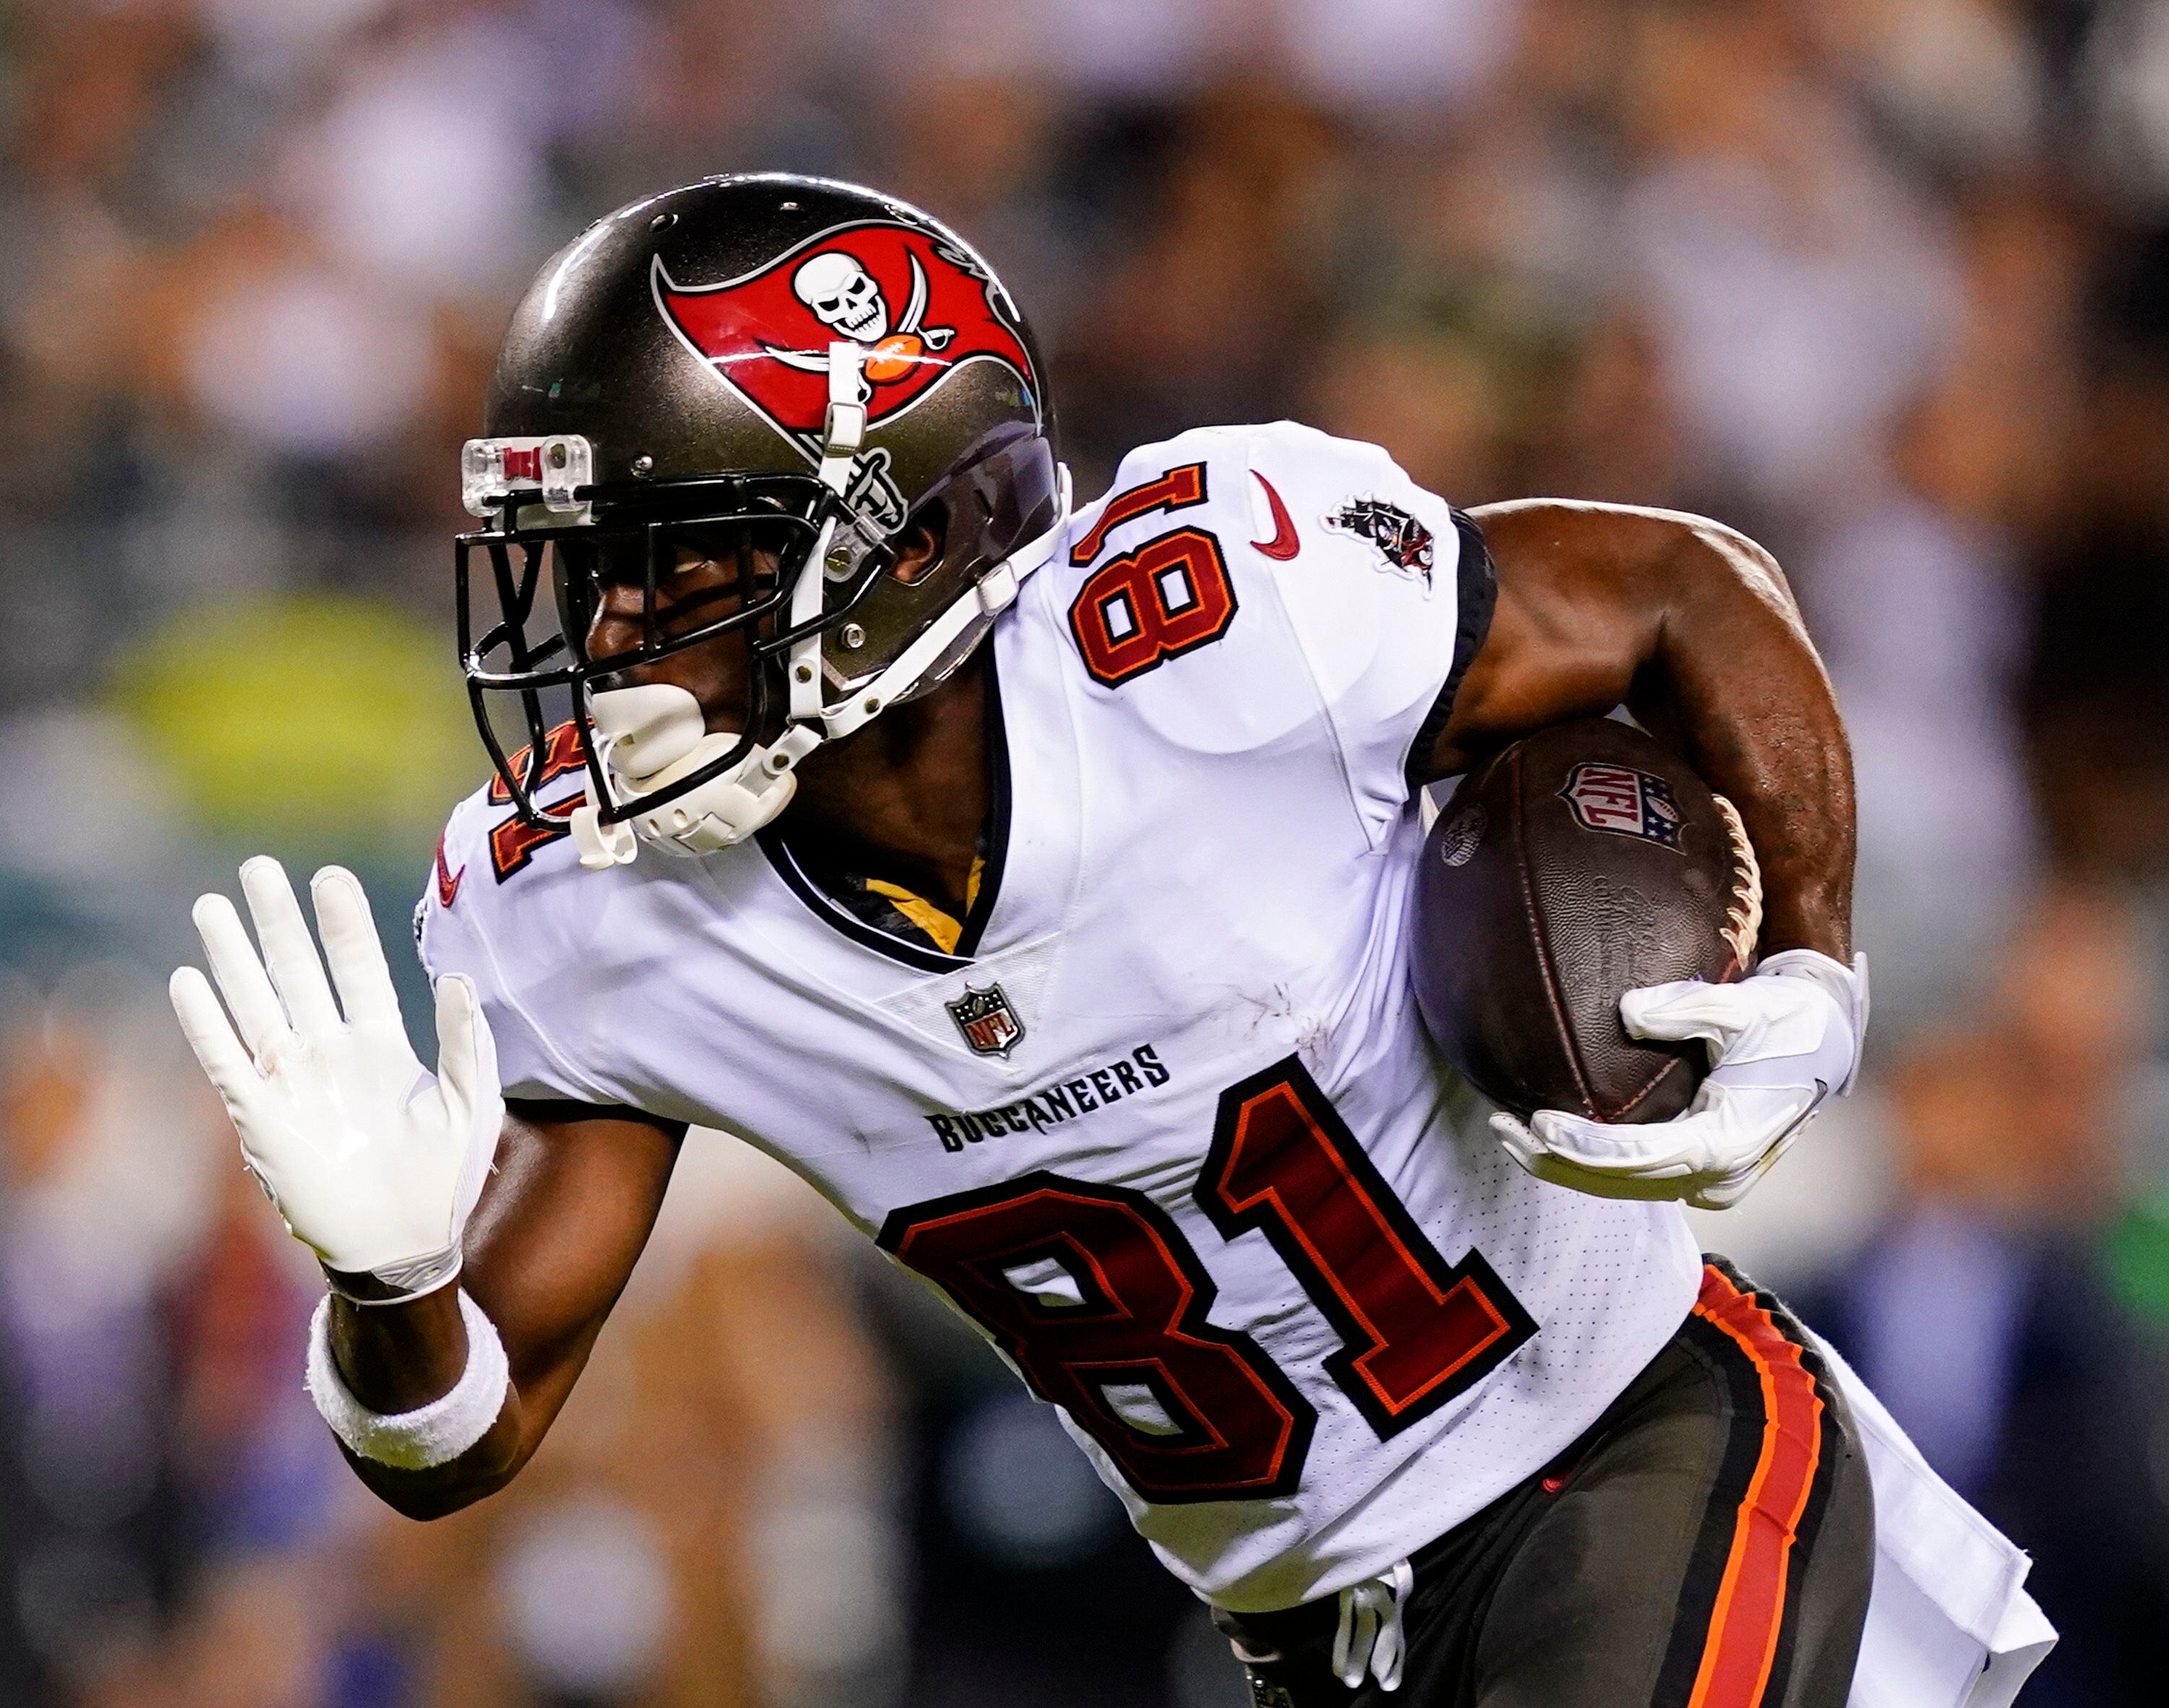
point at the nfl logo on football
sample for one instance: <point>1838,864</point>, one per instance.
<point>1625,802</point>
<point>989,1024</point>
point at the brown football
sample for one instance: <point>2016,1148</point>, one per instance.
<point>1566,871</point>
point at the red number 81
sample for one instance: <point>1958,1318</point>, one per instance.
<point>1137,611</point>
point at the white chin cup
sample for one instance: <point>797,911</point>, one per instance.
<point>649,737</point>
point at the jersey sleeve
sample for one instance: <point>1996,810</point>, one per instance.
<point>459,927</point>
<point>1278,591</point>
<point>1388,592</point>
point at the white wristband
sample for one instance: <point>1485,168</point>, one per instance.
<point>434,1435</point>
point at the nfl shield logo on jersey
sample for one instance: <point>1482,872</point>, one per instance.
<point>989,1024</point>
<point>1625,802</point>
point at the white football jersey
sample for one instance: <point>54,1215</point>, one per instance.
<point>1170,1132</point>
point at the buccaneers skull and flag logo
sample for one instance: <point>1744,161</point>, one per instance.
<point>1403,541</point>
<point>920,306</point>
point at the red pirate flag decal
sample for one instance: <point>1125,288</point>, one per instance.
<point>921,307</point>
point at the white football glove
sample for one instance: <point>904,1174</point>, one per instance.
<point>1781,1041</point>
<point>373,1162</point>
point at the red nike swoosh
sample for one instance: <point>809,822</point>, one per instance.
<point>1283,544</point>
<point>448,881</point>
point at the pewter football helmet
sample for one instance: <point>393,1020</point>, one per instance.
<point>785,360</point>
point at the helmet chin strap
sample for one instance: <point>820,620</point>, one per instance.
<point>653,736</point>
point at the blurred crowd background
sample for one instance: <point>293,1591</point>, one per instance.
<point>1884,282</point>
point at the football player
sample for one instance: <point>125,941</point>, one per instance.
<point>1033,881</point>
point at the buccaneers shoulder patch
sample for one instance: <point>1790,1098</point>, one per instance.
<point>1404,543</point>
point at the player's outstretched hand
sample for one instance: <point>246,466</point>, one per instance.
<point>374,1161</point>
<point>1781,1042</point>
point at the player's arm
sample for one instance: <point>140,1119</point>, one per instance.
<point>569,1206</point>
<point>459,1317</point>
<point>1692,627</point>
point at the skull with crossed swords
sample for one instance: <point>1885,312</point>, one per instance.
<point>835,286</point>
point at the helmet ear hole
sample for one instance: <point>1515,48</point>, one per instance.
<point>918,544</point>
